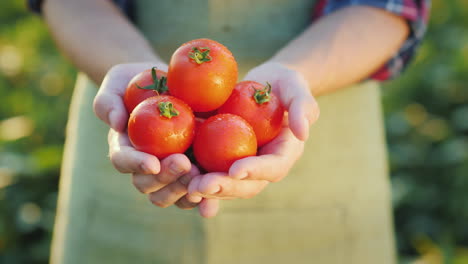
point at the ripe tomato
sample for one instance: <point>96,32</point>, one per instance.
<point>161,125</point>
<point>144,85</point>
<point>198,122</point>
<point>223,139</point>
<point>259,106</point>
<point>202,73</point>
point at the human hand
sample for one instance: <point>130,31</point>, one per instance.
<point>163,181</point>
<point>249,176</point>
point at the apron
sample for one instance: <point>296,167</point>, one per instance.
<point>333,207</point>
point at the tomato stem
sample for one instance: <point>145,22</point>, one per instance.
<point>167,109</point>
<point>262,95</point>
<point>158,85</point>
<point>200,55</point>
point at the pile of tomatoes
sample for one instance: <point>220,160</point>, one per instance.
<point>198,103</point>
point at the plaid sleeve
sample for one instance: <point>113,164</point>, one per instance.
<point>416,13</point>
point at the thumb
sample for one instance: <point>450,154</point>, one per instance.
<point>109,107</point>
<point>302,107</point>
<point>303,111</point>
<point>108,103</point>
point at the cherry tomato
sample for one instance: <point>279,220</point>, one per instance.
<point>259,106</point>
<point>202,73</point>
<point>223,139</point>
<point>144,85</point>
<point>161,126</point>
<point>198,122</point>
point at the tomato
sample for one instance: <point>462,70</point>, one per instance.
<point>223,139</point>
<point>259,106</point>
<point>144,85</point>
<point>198,122</point>
<point>202,73</point>
<point>161,126</point>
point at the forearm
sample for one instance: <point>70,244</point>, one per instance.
<point>344,47</point>
<point>95,35</point>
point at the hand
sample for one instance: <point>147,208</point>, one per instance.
<point>248,176</point>
<point>165,182</point>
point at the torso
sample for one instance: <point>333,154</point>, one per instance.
<point>333,207</point>
<point>252,30</point>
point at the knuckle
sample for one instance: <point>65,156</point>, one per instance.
<point>98,106</point>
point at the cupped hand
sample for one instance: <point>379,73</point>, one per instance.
<point>249,176</point>
<point>108,103</point>
<point>164,181</point>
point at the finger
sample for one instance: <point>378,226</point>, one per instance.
<point>108,104</point>
<point>128,160</point>
<point>302,108</point>
<point>193,197</point>
<point>274,161</point>
<point>168,195</point>
<point>173,167</point>
<point>185,204</point>
<point>148,183</point>
<point>220,185</point>
<point>208,208</point>
<point>303,112</point>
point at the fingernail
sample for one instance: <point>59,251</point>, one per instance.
<point>149,168</point>
<point>215,190</point>
<point>241,175</point>
<point>175,170</point>
<point>194,199</point>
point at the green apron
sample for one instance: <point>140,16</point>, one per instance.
<point>334,206</point>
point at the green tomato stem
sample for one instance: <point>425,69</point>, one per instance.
<point>262,95</point>
<point>167,110</point>
<point>200,55</point>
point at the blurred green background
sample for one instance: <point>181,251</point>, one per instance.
<point>426,114</point>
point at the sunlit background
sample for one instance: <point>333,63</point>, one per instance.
<point>426,115</point>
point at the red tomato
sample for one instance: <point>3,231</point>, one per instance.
<point>161,126</point>
<point>198,122</point>
<point>202,73</point>
<point>144,85</point>
<point>257,105</point>
<point>223,139</point>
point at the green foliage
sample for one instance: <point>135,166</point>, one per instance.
<point>35,88</point>
<point>426,115</point>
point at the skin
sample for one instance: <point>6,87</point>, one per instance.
<point>336,51</point>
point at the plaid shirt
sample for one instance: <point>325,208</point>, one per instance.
<point>416,13</point>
